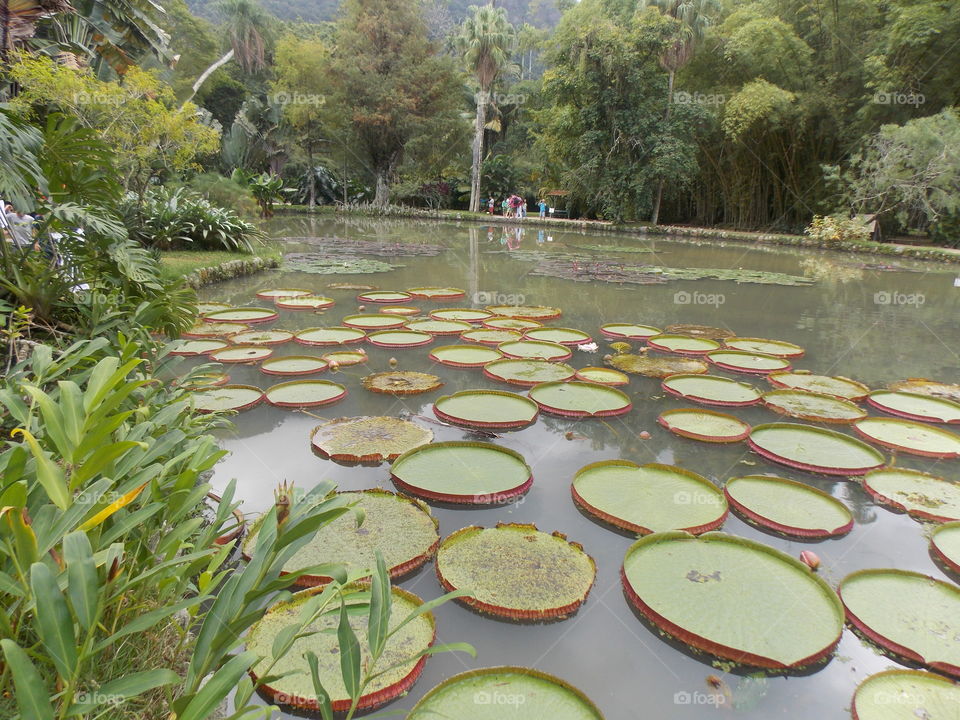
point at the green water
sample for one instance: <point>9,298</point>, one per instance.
<point>870,325</point>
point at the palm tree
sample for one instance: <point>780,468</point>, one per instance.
<point>245,20</point>
<point>485,42</point>
<point>18,20</point>
<point>695,17</point>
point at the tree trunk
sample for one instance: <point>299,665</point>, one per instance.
<point>312,187</point>
<point>478,150</point>
<point>382,198</point>
<point>658,199</point>
<point>207,73</point>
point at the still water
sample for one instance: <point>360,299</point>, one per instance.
<point>872,325</point>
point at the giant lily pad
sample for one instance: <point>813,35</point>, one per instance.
<point>916,406</point>
<point>488,409</point>
<point>305,393</point>
<point>487,336</point>
<point>526,312</point>
<point>945,543</point>
<point>227,397</point>
<point>192,348</point>
<point>505,323</point>
<point>815,449</point>
<point>560,336</point>
<point>700,331</point>
<point>658,367</point>
<point>840,387</point>
<point>920,494</point>
<point>905,695</point>
<point>908,614</point>
<point>933,388</point>
<point>705,425</point>
<point>746,362</point>
<point>399,338</point>
<point>402,382</point>
<point>209,306</point>
<point>291,365</point>
<point>485,693</point>
<point>462,472</point>
<point>469,315</point>
<point>604,376</point>
<point>402,310</point>
<point>788,507</point>
<point>734,598</point>
<point>304,302</point>
<point>351,286</point>
<point>384,296</point>
<point>516,571</point>
<point>203,380</point>
<point>465,356</point>
<point>206,331</point>
<point>241,354</point>
<point>629,331</point>
<point>261,337</point>
<point>329,336</point>
<point>529,349</point>
<point>367,439</point>
<point>334,264</point>
<point>436,293</point>
<point>813,406</point>
<point>274,293</point>
<point>439,327</point>
<point>344,358</point>
<point>682,344</point>
<point>711,390</point>
<point>401,528</point>
<point>580,399</point>
<point>248,315</point>
<point>777,348</point>
<point>374,322</point>
<point>527,373</point>
<point>648,498</point>
<point>910,437</point>
<point>291,681</point>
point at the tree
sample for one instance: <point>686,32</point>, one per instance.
<point>486,41</point>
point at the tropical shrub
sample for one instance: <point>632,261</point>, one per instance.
<point>836,230</point>
<point>225,192</point>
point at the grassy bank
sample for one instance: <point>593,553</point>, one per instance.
<point>176,264</point>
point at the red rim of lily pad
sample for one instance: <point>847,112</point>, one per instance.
<point>921,506</point>
<point>669,418</point>
<point>498,322</point>
<point>561,369</point>
<point>570,337</point>
<point>344,358</point>
<point>402,382</point>
<point>324,336</point>
<point>487,336</point>
<point>775,400</point>
<point>482,354</point>
<point>546,396</point>
<point>526,312</point>
<point>868,427</point>
<point>401,310</point>
<point>951,557</point>
<point>629,331</point>
<point>436,293</point>
<point>603,376</point>
<point>241,354</point>
<point>753,514</point>
<point>210,331</point>
<point>799,380</point>
<point>254,396</point>
<point>479,496</point>
<point>384,297</point>
<point>248,315</point>
<point>412,437</point>
<point>701,331</point>
<point>908,689</point>
<point>535,349</point>
<point>194,348</point>
<point>747,362</point>
<point>682,344</point>
<point>673,385</point>
<point>763,346</point>
<point>304,302</point>
<point>261,337</point>
<point>374,321</point>
<point>940,410</point>
<point>400,339</point>
<point>758,430</point>
<point>335,392</point>
<point>315,365</point>
<point>438,327</point>
<point>274,293</point>
<point>519,420</point>
<point>474,316</point>
<point>203,380</point>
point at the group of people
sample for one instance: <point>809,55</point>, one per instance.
<point>514,206</point>
<point>19,229</point>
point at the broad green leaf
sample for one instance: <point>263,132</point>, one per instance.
<point>218,687</point>
<point>49,474</point>
<point>323,697</point>
<point>349,654</point>
<point>53,621</point>
<point>110,509</point>
<point>82,581</point>
<point>380,607</point>
<point>32,700</point>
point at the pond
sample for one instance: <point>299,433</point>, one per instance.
<point>876,325</point>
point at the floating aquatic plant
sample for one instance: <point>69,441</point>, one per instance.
<point>368,439</point>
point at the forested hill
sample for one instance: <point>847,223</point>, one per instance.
<point>539,13</point>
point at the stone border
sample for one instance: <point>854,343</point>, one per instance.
<point>228,270</point>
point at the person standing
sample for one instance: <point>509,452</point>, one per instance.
<point>543,207</point>
<point>490,205</point>
<point>523,208</point>
<point>505,207</point>
<point>21,229</point>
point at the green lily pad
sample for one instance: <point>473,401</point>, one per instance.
<point>304,302</point>
<point>560,336</point>
<point>945,543</point>
<point>227,397</point>
<point>261,337</point>
<point>815,449</point>
<point>436,293</point>
<point>529,349</point>
<point>485,694</point>
<point>516,571</point>
<point>682,344</point>
<point>465,356</point>
<point>209,306</point>
<point>488,409</point>
<point>192,348</point>
<point>812,406</point>
<point>292,682</point>
<point>933,388</point>
<point>840,387</point>
<point>305,393</point>
<point>203,380</point>
<point>648,498</point>
<point>629,331</point>
<point>908,614</point>
<point>402,310</point>
<point>351,286</point>
<point>920,494</point>
<point>487,336</point>
<point>399,338</point>
<point>329,336</point>
<point>746,362</point>
<point>658,367</point>
<point>317,263</point>
<point>526,312</point>
<point>701,331</point>
<point>734,598</point>
<point>580,399</point>
<point>241,354</point>
<point>273,293</point>
<point>206,331</point>
<point>462,472</point>
<point>762,346</point>
<point>402,382</point>
<point>604,376</point>
<point>374,322</point>
<point>505,323</point>
<point>909,437</point>
<point>711,390</point>
<point>788,507</point>
<point>367,439</point>
<point>916,406</point>
<point>344,358</point>
<point>468,315</point>
<point>249,315</point>
<point>905,695</point>
<point>293,365</point>
<point>384,296</point>
<point>401,528</point>
<point>705,425</point>
<point>439,327</point>
<point>527,373</point>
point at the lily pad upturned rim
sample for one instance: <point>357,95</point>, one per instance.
<point>662,342</point>
<point>881,640</point>
<point>626,407</point>
<point>880,497</point>
<point>272,293</point>
<point>470,336</point>
<point>304,403</point>
<point>400,310</point>
<point>609,331</point>
<point>540,312</point>
<point>491,373</point>
<point>531,334</point>
<point>381,321</point>
<point>657,366</point>
<point>925,386</point>
<point>216,379</point>
<point>859,428</point>
<point>182,351</point>
<point>494,498</point>
<point>266,365</point>
<point>377,457</point>
<point>380,297</point>
<point>465,422</point>
<point>277,337</point>
<point>366,702</point>
<point>664,420</point>
<point>263,315</point>
<point>787,349</point>
<point>415,338</point>
<point>715,648</point>
<point>615,377</point>
<point>511,347</point>
<point>297,303</point>
<point>502,670</point>
<point>702,331</point>
<point>722,359</point>
<point>355,335</point>
<point>623,524</point>
<point>436,354</point>
<point>665,384</point>
<point>776,379</point>
<point>920,675</point>
<point>254,353</point>
<point>872,399</point>
<point>212,306</point>
<point>439,327</point>
<point>780,410</point>
<point>370,382</point>
<point>212,334</point>
<point>820,469</point>
<point>951,561</point>
<point>356,357</point>
<point>517,614</point>
<point>239,408</point>
<point>757,518</point>
<point>501,322</point>
<point>436,293</point>
<point>481,315</point>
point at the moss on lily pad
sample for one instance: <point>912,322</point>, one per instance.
<point>368,439</point>
<point>657,366</point>
<point>402,382</point>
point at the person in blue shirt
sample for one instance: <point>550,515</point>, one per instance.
<point>543,207</point>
